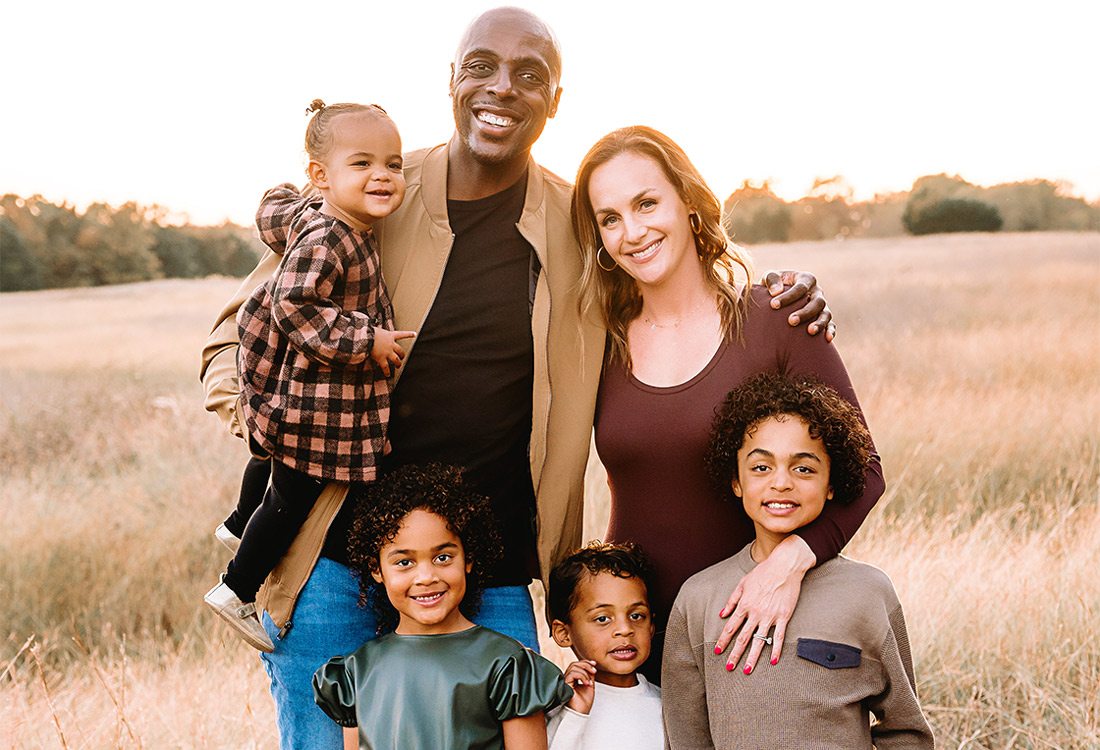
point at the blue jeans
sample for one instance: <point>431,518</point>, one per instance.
<point>327,622</point>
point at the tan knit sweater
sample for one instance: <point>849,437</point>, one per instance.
<point>845,656</point>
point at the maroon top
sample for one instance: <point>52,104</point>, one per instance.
<point>653,442</point>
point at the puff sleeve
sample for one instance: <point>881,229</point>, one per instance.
<point>334,691</point>
<point>524,683</point>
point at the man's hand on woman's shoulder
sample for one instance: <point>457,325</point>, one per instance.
<point>788,287</point>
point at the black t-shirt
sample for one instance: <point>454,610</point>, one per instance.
<point>464,397</point>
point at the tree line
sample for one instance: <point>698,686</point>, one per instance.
<point>936,203</point>
<point>45,245</point>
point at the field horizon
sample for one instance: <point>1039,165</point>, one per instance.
<point>975,358</point>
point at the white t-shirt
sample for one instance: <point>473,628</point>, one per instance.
<point>626,718</point>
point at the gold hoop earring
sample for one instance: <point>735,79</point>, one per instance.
<point>614,265</point>
<point>696,223</point>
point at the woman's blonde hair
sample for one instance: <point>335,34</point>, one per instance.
<point>319,130</point>
<point>613,293</point>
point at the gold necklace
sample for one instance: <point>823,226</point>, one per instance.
<point>679,319</point>
<point>654,324</point>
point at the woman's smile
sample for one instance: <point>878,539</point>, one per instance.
<point>642,220</point>
<point>647,252</point>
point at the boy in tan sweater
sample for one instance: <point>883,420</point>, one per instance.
<point>785,448</point>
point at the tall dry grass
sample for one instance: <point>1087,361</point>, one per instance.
<point>976,361</point>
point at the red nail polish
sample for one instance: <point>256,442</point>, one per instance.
<point>717,649</point>
<point>748,670</point>
<point>729,667</point>
<point>775,661</point>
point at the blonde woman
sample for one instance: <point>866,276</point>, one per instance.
<point>684,327</point>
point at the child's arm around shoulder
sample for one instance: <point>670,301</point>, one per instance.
<point>279,209</point>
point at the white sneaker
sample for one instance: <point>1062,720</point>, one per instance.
<point>228,538</point>
<point>241,616</point>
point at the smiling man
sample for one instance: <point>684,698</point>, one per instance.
<point>504,86</point>
<point>481,262</point>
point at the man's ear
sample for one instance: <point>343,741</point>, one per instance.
<point>829,495</point>
<point>317,176</point>
<point>554,103</point>
<point>560,632</point>
<point>451,83</point>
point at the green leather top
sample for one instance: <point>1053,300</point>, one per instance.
<point>437,692</point>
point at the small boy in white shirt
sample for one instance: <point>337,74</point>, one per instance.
<point>599,607</point>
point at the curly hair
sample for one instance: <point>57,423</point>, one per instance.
<point>622,560</point>
<point>381,507</point>
<point>830,419</point>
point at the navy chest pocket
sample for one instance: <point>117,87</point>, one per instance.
<point>828,654</point>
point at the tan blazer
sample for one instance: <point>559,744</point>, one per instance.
<point>415,244</point>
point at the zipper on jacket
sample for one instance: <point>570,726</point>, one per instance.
<point>285,628</point>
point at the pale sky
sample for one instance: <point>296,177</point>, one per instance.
<point>198,105</point>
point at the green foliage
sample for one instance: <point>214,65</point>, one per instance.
<point>1039,205</point>
<point>178,251</point>
<point>18,266</point>
<point>755,214</point>
<point>44,245</point>
<point>116,245</point>
<point>936,203</point>
<point>827,212</point>
<point>953,215</point>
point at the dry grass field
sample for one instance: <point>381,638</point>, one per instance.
<point>976,359</point>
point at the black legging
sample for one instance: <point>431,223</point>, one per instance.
<point>253,488</point>
<point>271,529</point>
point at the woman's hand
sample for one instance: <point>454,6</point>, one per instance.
<point>766,597</point>
<point>803,287</point>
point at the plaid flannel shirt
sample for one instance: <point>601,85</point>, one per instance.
<point>311,394</point>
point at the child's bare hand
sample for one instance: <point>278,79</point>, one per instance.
<point>386,352</point>
<point>581,676</point>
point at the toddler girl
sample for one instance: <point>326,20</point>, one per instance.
<point>421,542</point>
<point>785,448</point>
<point>316,346</point>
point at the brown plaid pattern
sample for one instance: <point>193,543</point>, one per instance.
<point>311,394</point>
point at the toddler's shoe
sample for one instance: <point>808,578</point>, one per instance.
<point>241,616</point>
<point>228,538</point>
